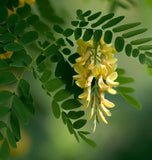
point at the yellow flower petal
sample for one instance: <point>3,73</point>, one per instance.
<point>111,91</point>
<point>92,108</point>
<point>107,103</point>
<point>102,117</point>
<point>21,3</point>
<point>81,83</point>
<point>99,69</point>
<point>104,109</point>
<point>30,1</point>
<point>101,84</point>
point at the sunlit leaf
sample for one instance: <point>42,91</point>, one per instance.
<point>113,22</point>
<point>54,84</point>
<point>131,100</point>
<point>125,27</point>
<point>134,33</point>
<point>125,89</point>
<point>75,114</point>
<point>70,104</point>
<point>102,20</point>
<point>94,16</point>
<point>56,109</point>
<point>62,95</point>
<point>124,80</point>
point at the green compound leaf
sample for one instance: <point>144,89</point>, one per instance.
<point>5,96</point>
<point>29,37</point>
<point>3,13</point>
<point>83,24</point>
<point>70,126</point>
<point>70,104</point>
<point>88,141</point>
<point>24,87</point>
<point>119,44</point>
<point>79,123</point>
<point>87,13</point>
<point>75,23</point>
<point>56,109</point>
<point>134,33</point>
<point>4,150</point>
<point>102,20</point>
<point>135,53</point>
<point>113,22</point>
<point>141,41</point>
<point>128,49</point>
<point>8,37</point>
<point>20,109</point>
<point>64,117</point>
<point>97,35</point>
<point>45,76</point>
<point>131,100</point>
<point>125,27</point>
<point>66,51</point>
<point>77,33</point>
<point>11,138</point>
<point>51,50</point>
<point>61,95</point>
<point>61,42</point>
<point>54,84</point>
<point>108,36</point>
<point>70,42</point>
<point>145,47</point>
<point>58,29</point>
<point>14,47</point>
<point>87,34</point>
<point>7,78</point>
<point>12,20</point>
<point>2,124</point>
<point>1,136</point>
<point>73,57</point>
<point>75,114</point>
<point>94,16</point>
<point>15,125</point>
<point>68,32</point>
<point>19,27</point>
<point>149,54</point>
<point>120,71</point>
<point>142,58</point>
<point>125,80</point>
<point>3,64</point>
<point>125,89</point>
<point>3,111</point>
<point>32,19</point>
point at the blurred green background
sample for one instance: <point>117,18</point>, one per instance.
<point>129,132</point>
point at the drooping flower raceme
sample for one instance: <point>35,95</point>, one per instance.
<point>96,68</point>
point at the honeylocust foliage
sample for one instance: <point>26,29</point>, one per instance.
<point>19,27</point>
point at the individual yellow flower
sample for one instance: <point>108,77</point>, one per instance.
<point>97,62</point>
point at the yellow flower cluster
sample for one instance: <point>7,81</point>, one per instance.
<point>21,4</point>
<point>96,74</point>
